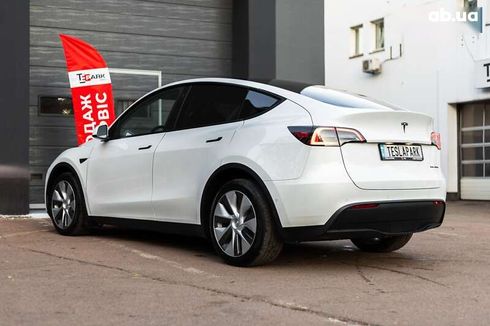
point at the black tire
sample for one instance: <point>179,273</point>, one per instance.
<point>79,224</point>
<point>266,244</point>
<point>385,244</point>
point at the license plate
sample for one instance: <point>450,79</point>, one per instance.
<point>401,152</point>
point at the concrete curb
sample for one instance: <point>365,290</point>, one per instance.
<point>34,215</point>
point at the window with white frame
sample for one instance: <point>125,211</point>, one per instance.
<point>379,34</point>
<point>356,34</point>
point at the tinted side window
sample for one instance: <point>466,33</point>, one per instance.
<point>211,104</point>
<point>149,116</point>
<point>256,103</point>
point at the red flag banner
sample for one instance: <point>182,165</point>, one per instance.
<point>91,87</point>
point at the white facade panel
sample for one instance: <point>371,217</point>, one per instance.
<point>428,66</point>
<point>475,189</point>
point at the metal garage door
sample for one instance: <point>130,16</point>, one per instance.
<point>475,151</point>
<point>181,38</point>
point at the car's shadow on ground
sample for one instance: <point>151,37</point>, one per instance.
<point>314,254</point>
<point>192,244</point>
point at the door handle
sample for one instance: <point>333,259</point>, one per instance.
<point>144,147</point>
<point>214,140</point>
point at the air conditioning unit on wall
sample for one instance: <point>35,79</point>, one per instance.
<point>371,66</point>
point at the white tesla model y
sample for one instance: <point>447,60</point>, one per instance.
<point>252,165</point>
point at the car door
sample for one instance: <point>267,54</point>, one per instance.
<point>120,170</point>
<point>188,155</point>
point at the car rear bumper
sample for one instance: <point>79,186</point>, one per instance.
<point>373,219</point>
<point>325,187</point>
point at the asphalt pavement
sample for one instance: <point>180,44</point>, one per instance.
<point>122,277</point>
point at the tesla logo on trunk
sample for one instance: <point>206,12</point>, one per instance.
<point>404,125</point>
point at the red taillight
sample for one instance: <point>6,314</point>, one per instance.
<point>365,206</point>
<point>326,136</point>
<point>348,135</point>
<point>302,136</point>
<point>435,139</point>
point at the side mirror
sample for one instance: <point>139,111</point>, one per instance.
<point>101,132</point>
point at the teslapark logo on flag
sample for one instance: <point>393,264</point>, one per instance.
<point>91,87</point>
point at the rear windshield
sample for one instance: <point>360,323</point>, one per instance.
<point>347,100</point>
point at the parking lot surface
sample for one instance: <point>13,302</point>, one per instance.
<point>121,277</point>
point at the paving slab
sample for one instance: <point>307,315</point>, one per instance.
<point>123,277</point>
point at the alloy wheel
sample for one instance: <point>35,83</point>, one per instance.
<point>63,205</point>
<point>234,223</point>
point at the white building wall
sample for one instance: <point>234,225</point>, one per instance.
<point>436,68</point>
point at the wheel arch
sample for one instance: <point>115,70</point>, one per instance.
<point>59,168</point>
<point>224,174</point>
